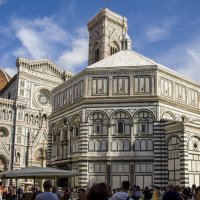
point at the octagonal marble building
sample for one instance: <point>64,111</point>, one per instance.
<point>125,116</point>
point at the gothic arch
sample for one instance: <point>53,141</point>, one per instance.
<point>74,117</point>
<point>53,126</point>
<point>96,111</point>
<point>5,162</point>
<point>144,110</point>
<point>170,137</point>
<point>183,118</point>
<point>120,110</point>
<point>143,122</point>
<point>62,121</point>
<point>114,47</point>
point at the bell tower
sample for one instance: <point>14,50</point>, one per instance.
<point>106,30</point>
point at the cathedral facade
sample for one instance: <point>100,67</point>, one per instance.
<point>125,116</point>
<point>25,105</point>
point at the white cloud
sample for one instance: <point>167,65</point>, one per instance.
<point>38,37</point>
<point>156,32</point>
<point>185,58</point>
<point>10,71</point>
<point>78,53</point>
<point>41,38</point>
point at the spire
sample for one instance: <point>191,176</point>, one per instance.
<point>126,41</point>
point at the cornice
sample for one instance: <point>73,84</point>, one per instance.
<point>37,63</point>
<point>178,76</point>
<point>179,105</point>
<point>105,100</point>
<point>150,70</point>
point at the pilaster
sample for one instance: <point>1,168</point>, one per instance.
<point>160,155</point>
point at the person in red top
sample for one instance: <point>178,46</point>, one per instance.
<point>1,192</point>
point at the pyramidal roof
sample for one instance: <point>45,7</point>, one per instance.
<point>129,58</point>
<point>124,58</point>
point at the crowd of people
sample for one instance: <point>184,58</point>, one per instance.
<point>102,191</point>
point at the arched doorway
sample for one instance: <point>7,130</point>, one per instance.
<point>3,165</point>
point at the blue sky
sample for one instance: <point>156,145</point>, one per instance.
<point>166,31</point>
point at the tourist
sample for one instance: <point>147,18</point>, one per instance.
<point>171,194</point>
<point>147,194</point>
<point>156,194</point>
<point>81,195</point>
<point>99,191</point>
<point>57,192</point>
<point>66,194</point>
<point>179,192</point>
<point>72,194</point>
<point>137,193</point>
<point>123,194</point>
<point>1,192</point>
<point>197,194</point>
<point>109,192</point>
<point>47,194</point>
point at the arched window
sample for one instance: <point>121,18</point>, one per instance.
<point>137,145</point>
<point>150,145</point>
<point>26,118</point>
<point>36,120</point>
<point>120,145</point>
<point>31,119</point>
<point>114,48</point>
<point>103,145</point>
<point>143,123</point>
<point>126,145</point>
<point>97,145</point>
<point>114,145</point>
<point>91,145</point>
<point>98,123</point>
<point>4,114</point>
<point>18,157</point>
<point>121,123</point>
<point>167,115</point>
<point>10,115</point>
<point>97,55</point>
<point>44,121</point>
<point>143,145</point>
<point>65,134</point>
<point>120,127</point>
<point>76,126</point>
<point>76,131</point>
